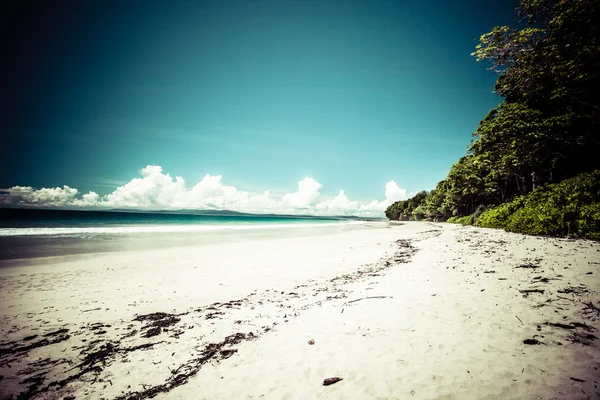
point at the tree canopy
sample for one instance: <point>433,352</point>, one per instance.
<point>546,129</point>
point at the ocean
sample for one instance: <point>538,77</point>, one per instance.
<point>33,233</point>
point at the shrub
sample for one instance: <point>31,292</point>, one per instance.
<point>569,207</point>
<point>467,220</point>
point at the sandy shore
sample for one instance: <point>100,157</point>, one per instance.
<point>424,311</point>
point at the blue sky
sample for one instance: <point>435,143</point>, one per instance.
<point>353,94</point>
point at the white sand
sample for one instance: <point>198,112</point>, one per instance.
<point>436,325</point>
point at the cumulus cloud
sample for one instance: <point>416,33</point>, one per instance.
<point>393,193</point>
<point>305,196</point>
<point>339,205</point>
<point>87,200</point>
<point>156,190</point>
<point>43,197</point>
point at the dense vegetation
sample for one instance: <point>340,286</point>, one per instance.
<point>530,167</point>
<point>571,207</point>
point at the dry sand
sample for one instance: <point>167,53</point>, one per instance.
<point>423,311</point>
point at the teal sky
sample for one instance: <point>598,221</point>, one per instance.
<point>351,93</point>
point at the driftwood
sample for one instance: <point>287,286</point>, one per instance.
<point>528,266</point>
<point>331,381</point>
<point>539,279</point>
<point>365,298</point>
<point>92,309</point>
<point>533,341</point>
<point>572,325</point>
<point>526,292</point>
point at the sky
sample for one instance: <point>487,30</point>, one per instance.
<point>344,104</point>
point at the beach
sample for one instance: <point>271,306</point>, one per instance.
<point>416,310</point>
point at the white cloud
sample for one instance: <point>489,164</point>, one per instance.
<point>156,190</point>
<point>393,193</point>
<point>339,205</point>
<point>87,200</point>
<point>151,170</point>
<point>43,197</point>
<point>305,196</point>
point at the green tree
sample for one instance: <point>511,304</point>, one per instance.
<point>545,131</point>
<point>551,67</point>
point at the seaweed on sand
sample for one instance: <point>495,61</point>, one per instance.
<point>211,351</point>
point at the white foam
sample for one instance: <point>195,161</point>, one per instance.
<point>159,228</point>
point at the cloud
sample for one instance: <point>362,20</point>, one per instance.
<point>339,205</point>
<point>151,170</point>
<point>157,190</point>
<point>43,197</point>
<point>154,190</point>
<point>87,200</point>
<point>393,193</point>
<point>305,196</point>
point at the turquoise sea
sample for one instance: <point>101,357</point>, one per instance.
<point>30,233</point>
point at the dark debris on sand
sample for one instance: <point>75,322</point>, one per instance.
<point>219,351</point>
<point>180,375</point>
<point>331,381</point>
<point>51,338</point>
<point>93,362</point>
<point>156,323</point>
<point>98,354</point>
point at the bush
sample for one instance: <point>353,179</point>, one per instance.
<point>498,216</point>
<point>467,220</point>
<point>408,210</point>
<point>589,221</point>
<point>569,207</point>
<point>419,213</point>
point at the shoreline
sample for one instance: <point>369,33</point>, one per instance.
<point>36,249</point>
<point>419,310</point>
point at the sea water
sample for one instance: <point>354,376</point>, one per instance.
<point>32,233</point>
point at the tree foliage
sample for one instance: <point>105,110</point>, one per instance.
<point>407,210</point>
<point>547,127</point>
<point>571,207</point>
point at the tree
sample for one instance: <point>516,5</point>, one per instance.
<point>547,127</point>
<point>551,67</point>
